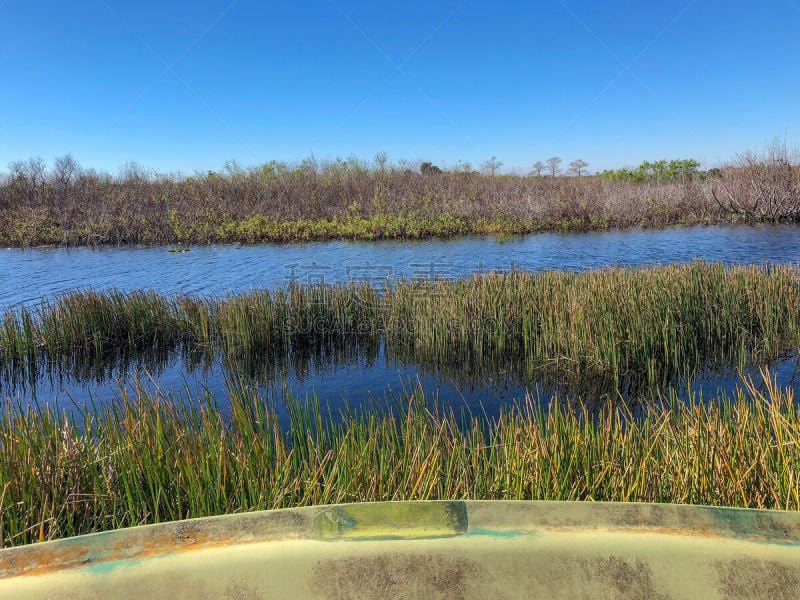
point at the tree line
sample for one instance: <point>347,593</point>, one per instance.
<point>65,203</point>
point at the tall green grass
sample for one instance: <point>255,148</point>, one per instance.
<point>654,325</point>
<point>147,458</point>
<point>659,321</point>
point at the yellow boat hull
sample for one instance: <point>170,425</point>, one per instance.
<point>430,550</point>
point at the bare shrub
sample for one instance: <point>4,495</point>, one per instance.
<point>71,205</point>
<point>761,186</point>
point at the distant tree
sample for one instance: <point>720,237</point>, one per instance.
<point>554,165</point>
<point>133,172</point>
<point>683,169</point>
<point>381,159</point>
<point>464,166</point>
<point>354,165</point>
<point>66,169</point>
<point>654,170</point>
<point>428,168</point>
<point>657,171</point>
<point>309,165</point>
<point>491,166</point>
<point>763,186</point>
<point>32,169</point>
<point>578,166</point>
<point>538,168</point>
<point>30,175</point>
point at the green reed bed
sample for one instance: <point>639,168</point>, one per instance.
<point>656,323</point>
<point>660,320</point>
<point>84,328</point>
<point>151,458</point>
<point>91,321</point>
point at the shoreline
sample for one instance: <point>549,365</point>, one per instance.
<point>263,230</point>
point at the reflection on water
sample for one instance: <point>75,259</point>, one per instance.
<point>362,370</point>
<point>361,374</point>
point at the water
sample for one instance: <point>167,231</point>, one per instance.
<point>26,276</point>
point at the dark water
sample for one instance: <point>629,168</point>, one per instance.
<point>26,276</point>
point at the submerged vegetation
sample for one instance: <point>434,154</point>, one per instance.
<point>654,325</point>
<point>353,199</point>
<point>152,458</point>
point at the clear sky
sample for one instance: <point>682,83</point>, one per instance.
<point>188,85</point>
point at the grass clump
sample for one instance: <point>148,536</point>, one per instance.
<point>653,325</point>
<point>147,458</point>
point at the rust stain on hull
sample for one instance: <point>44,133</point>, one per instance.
<point>139,543</point>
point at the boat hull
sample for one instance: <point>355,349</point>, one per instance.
<point>469,549</point>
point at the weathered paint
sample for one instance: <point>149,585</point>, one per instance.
<point>428,549</point>
<point>391,520</point>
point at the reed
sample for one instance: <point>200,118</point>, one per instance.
<point>662,321</point>
<point>654,325</point>
<point>147,458</point>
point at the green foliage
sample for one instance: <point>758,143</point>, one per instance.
<point>154,457</point>
<point>427,168</point>
<point>659,171</point>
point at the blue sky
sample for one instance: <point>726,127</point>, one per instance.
<point>188,85</point>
